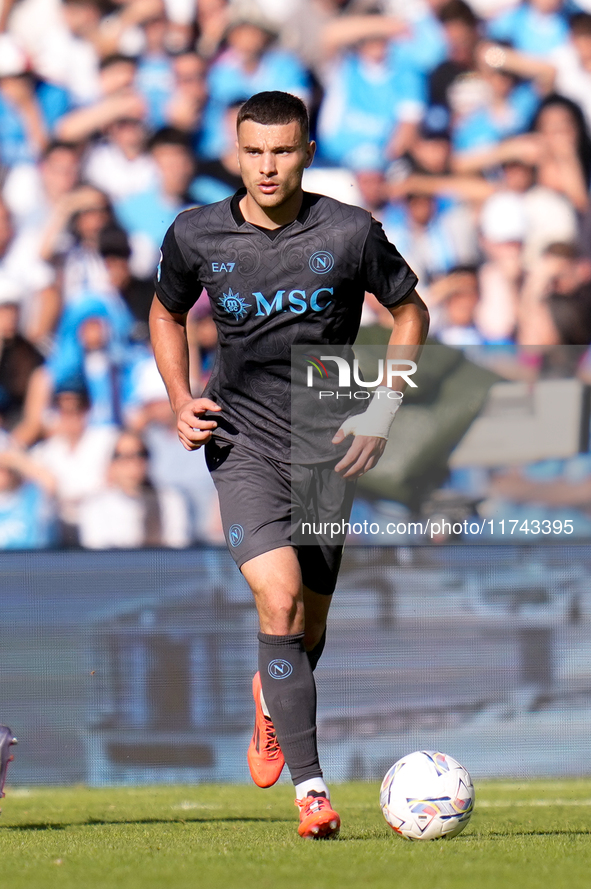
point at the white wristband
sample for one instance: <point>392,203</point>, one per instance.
<point>379,416</point>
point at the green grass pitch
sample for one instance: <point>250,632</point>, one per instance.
<point>525,835</point>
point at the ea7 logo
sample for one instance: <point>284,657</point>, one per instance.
<point>222,266</point>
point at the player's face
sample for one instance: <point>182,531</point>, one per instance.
<point>272,161</point>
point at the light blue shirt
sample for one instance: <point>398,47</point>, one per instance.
<point>425,48</point>
<point>229,83</point>
<point>362,106</point>
<point>148,212</point>
<point>154,79</point>
<point>481,128</point>
<point>15,147</point>
<point>106,374</point>
<point>26,519</point>
<point>442,253</point>
<point>530,31</point>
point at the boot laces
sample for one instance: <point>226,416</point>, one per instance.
<point>272,748</point>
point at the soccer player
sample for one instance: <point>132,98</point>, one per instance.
<point>7,739</point>
<point>282,267</point>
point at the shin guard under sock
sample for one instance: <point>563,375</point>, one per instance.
<point>290,694</point>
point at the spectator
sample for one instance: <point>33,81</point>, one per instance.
<point>567,69</point>
<point>453,301</point>
<point>119,165</point>
<point>558,147</point>
<point>117,99</point>
<point>507,110</point>
<point>185,105</point>
<point>136,293</point>
<point>371,105</point>
<point>503,229</point>
<point>462,32</point>
<point>372,186</point>
<point>77,455</point>
<point>431,151</point>
<point>549,216</point>
<point>92,343</point>
<point>147,214</point>
<point>71,239</point>
<point>154,78</point>
<point>18,359</point>
<point>131,512</point>
<point>425,46</point>
<point>29,107</point>
<point>27,516</point>
<point>564,150</point>
<point>25,279</point>
<point>218,179</point>
<point>212,22</point>
<point>31,191</point>
<point>63,44</point>
<point>433,236</point>
<point>537,27</point>
<point>317,30</point>
<point>249,64</point>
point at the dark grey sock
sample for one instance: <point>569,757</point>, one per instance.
<point>315,653</point>
<point>290,694</point>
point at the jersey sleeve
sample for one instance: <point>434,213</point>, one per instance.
<point>176,285</point>
<point>384,271</point>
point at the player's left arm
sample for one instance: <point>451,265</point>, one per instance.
<point>409,332</point>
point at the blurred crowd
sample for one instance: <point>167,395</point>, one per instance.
<point>462,126</point>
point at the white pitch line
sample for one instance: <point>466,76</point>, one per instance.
<point>501,804</point>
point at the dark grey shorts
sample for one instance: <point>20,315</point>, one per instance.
<point>266,504</point>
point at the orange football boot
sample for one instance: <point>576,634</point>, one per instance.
<point>318,820</point>
<point>265,759</point>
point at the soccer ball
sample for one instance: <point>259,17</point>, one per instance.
<point>427,796</point>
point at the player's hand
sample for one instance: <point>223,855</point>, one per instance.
<point>192,430</point>
<point>364,453</point>
<point>370,430</point>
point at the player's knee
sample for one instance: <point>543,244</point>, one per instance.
<point>282,616</point>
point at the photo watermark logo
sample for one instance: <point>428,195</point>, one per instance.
<point>388,371</point>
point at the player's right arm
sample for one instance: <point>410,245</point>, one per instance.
<point>168,332</point>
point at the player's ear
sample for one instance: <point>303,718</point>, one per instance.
<point>310,152</point>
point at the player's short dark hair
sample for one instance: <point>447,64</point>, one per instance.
<point>580,24</point>
<point>458,11</point>
<point>274,107</point>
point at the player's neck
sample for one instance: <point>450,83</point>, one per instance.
<point>271,217</point>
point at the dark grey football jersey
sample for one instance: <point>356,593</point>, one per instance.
<point>302,284</point>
